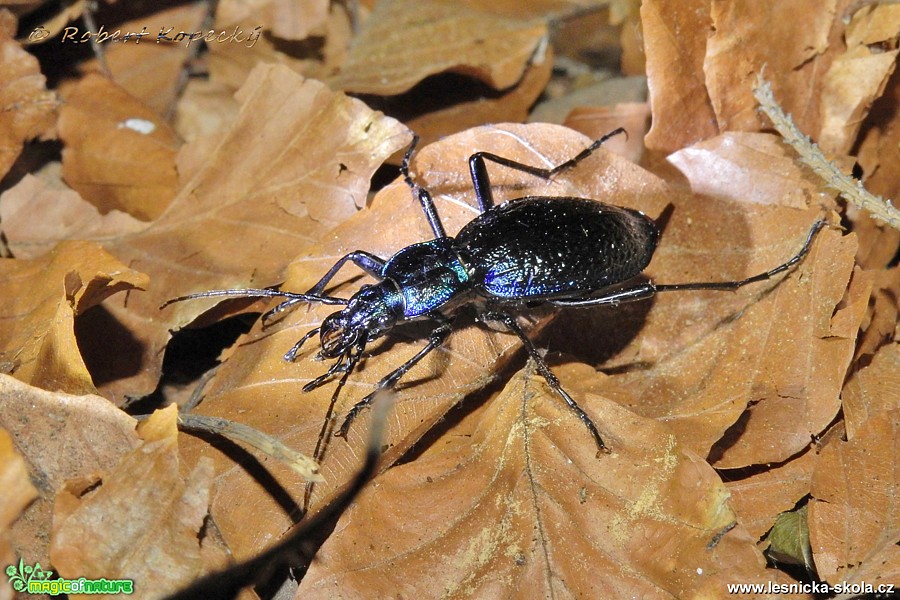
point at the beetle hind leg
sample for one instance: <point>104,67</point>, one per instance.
<point>552,380</point>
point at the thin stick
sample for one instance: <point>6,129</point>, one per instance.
<point>851,189</point>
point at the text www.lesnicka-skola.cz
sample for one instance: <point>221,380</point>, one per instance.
<point>165,36</point>
<point>813,587</point>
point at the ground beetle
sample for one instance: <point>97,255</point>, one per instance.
<point>562,251</point>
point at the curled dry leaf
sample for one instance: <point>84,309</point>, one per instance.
<point>859,75</point>
<point>749,37</point>
<point>675,36</point>
<point>143,523</point>
<point>38,308</point>
<point>405,41</point>
<point>296,162</point>
<point>256,386</point>
<point>854,520</point>
<point>119,153</point>
<point>27,109</point>
<point>62,437</point>
<point>521,507</point>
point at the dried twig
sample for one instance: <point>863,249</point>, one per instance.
<point>852,190</point>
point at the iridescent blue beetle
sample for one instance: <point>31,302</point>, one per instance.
<point>562,251</point>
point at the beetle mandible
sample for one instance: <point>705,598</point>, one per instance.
<point>562,251</point>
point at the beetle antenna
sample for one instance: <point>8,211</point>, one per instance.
<point>293,297</point>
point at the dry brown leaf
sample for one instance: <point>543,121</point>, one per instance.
<point>257,387</point>
<point>859,75</point>
<point>146,69</point>
<point>854,521</point>
<point>879,156</point>
<point>761,496</point>
<point>143,523</point>
<point>42,297</point>
<point>205,109</point>
<point>24,212</point>
<point>296,162</point>
<point>675,39</point>
<point>701,361</point>
<point>749,37</point>
<point>510,106</point>
<point>62,438</point>
<point>231,62</point>
<point>872,390</point>
<point>881,324</point>
<point>286,19</point>
<point>18,493</point>
<point>404,41</point>
<point>27,109</point>
<point>522,507</point>
<point>119,154</point>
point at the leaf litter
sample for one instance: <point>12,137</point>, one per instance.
<point>760,385</point>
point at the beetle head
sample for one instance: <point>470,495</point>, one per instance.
<point>371,313</point>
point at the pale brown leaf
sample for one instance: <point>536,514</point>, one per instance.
<point>749,167</point>
<point>522,507</point>
<point>62,438</point>
<point>859,75</point>
<point>142,523</point>
<point>27,108</point>
<point>18,493</point>
<point>749,37</point>
<point>119,154</point>
<point>760,497</point>
<point>30,233</point>
<point>43,295</point>
<point>405,41</point>
<point>675,40</point>
<point>872,390</point>
<point>854,521</point>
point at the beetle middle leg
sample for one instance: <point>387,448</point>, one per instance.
<point>436,339</point>
<point>510,322</point>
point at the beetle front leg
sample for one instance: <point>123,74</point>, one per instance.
<point>510,322</point>
<point>437,338</point>
<point>369,263</point>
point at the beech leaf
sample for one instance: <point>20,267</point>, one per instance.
<point>521,506</point>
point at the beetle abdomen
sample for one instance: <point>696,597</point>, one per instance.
<point>539,247</point>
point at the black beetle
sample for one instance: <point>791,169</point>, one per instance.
<point>563,251</point>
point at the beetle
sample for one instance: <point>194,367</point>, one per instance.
<point>561,251</point>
